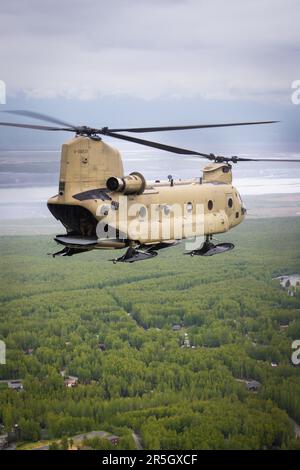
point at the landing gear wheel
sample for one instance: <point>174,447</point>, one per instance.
<point>132,255</point>
<point>209,249</point>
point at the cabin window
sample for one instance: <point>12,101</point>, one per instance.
<point>142,212</point>
<point>230,202</point>
<point>166,210</point>
<point>210,205</point>
<point>189,206</point>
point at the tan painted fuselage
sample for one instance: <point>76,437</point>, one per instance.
<point>87,208</point>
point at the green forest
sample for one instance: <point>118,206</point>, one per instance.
<point>112,327</point>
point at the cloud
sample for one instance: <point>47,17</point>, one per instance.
<point>180,48</point>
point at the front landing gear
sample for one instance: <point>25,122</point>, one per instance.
<point>67,251</point>
<point>209,249</point>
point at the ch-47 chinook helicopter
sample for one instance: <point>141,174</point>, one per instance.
<point>92,188</point>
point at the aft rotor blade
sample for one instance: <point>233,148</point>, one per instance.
<point>182,151</point>
<point>149,143</point>
<point>196,126</point>
<point>235,159</point>
<point>284,160</point>
<point>40,116</point>
<point>37,127</point>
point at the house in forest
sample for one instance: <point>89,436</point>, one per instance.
<point>253,385</point>
<point>29,351</point>
<point>176,327</point>
<point>290,283</point>
<point>114,440</point>
<point>71,381</point>
<point>15,384</point>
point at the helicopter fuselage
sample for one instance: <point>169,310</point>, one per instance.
<point>135,211</point>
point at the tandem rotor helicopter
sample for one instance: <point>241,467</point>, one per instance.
<point>92,186</point>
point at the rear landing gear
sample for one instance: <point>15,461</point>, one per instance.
<point>142,252</point>
<point>209,249</point>
<point>133,255</point>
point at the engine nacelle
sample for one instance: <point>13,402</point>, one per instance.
<point>135,183</point>
<point>217,173</point>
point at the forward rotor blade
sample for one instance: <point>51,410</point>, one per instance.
<point>149,143</point>
<point>178,128</point>
<point>41,117</point>
<point>33,126</point>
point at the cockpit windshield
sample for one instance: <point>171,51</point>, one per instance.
<point>239,198</point>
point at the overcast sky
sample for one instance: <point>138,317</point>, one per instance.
<point>200,59</point>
